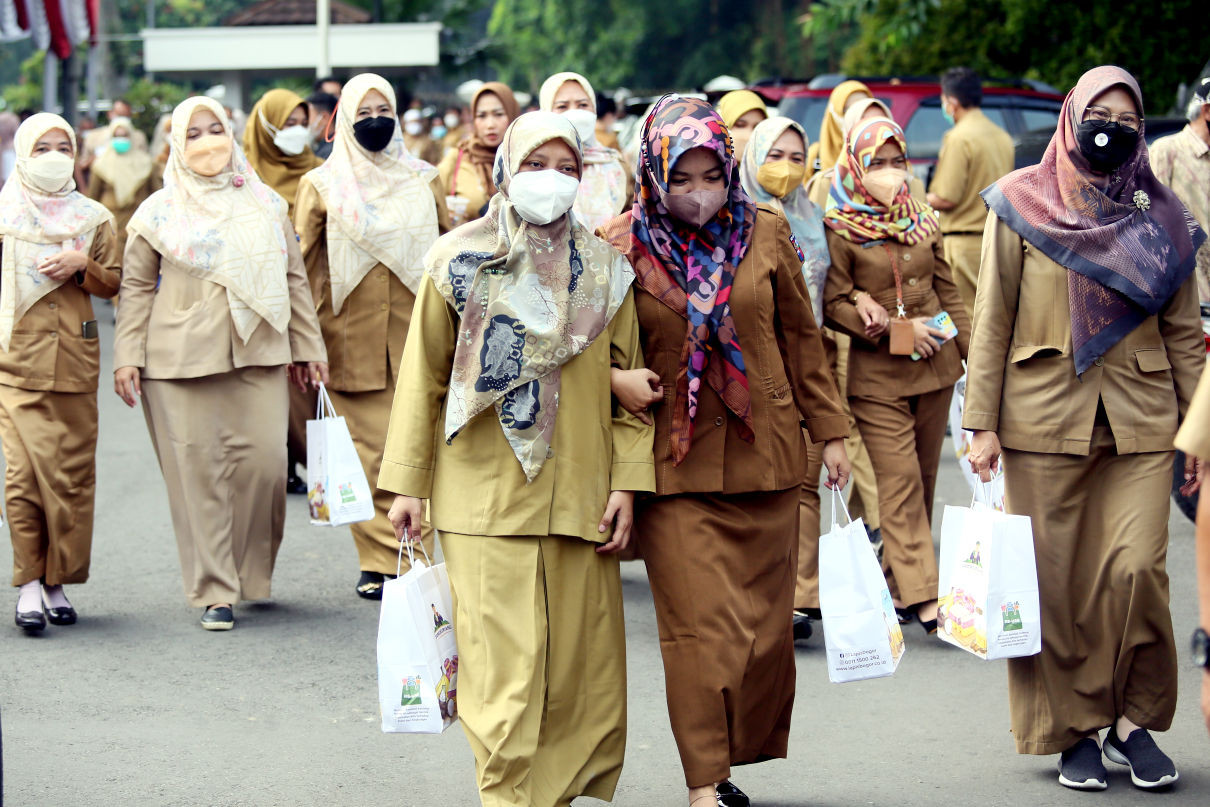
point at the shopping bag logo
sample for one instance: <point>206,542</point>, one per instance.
<point>1010,613</point>
<point>411,691</point>
<point>441,625</point>
<point>346,493</point>
<point>447,689</point>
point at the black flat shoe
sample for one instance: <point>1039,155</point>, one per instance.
<point>728,795</point>
<point>59,616</point>
<point>30,621</point>
<point>802,626</point>
<point>369,585</point>
<point>295,484</point>
<point>929,625</point>
<point>218,618</point>
<point>905,615</point>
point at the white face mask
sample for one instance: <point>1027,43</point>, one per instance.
<point>413,127</point>
<point>49,172</point>
<point>585,121</point>
<point>292,140</point>
<point>452,121</point>
<point>540,197</point>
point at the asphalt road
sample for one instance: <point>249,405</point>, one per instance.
<point>136,705</point>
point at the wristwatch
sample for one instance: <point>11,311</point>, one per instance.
<point>1201,649</point>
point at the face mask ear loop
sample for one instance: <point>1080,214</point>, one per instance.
<point>329,132</point>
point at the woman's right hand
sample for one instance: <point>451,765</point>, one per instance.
<point>875,318</point>
<point>928,339</point>
<point>405,516</point>
<point>985,454</point>
<point>128,385</point>
<point>636,390</point>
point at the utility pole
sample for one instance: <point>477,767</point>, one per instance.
<point>323,21</point>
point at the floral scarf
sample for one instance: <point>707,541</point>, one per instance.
<point>529,299</point>
<point>1126,240</point>
<point>692,270</point>
<point>854,214</point>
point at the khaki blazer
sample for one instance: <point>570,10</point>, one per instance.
<point>789,377</point>
<point>928,289</point>
<point>369,332</point>
<point>974,154</point>
<point>49,350</point>
<point>183,327</point>
<point>1022,381</point>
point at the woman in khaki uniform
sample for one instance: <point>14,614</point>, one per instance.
<point>727,327</point>
<point>58,248</point>
<point>122,177</point>
<point>887,257</point>
<point>365,220</point>
<point>1086,353</point>
<point>466,171</point>
<point>504,420</point>
<point>215,305</point>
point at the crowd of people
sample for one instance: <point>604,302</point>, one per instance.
<point>658,357</point>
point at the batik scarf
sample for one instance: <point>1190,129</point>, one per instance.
<point>530,298</point>
<point>854,214</point>
<point>1126,240</point>
<point>806,221</point>
<point>35,225</point>
<point>380,205</point>
<point>692,270</point>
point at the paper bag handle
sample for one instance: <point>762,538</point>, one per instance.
<point>838,499</point>
<point>323,403</point>
<point>411,553</point>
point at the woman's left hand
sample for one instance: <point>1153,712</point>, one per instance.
<point>836,460</point>
<point>311,372</point>
<point>1193,475</point>
<point>619,511</point>
<point>63,265</point>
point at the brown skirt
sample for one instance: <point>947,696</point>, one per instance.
<point>221,442</point>
<point>1101,539</point>
<point>722,571</point>
<point>50,482</point>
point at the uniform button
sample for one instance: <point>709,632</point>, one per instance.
<point>383,276</point>
<point>718,421</point>
<point>53,306</point>
<point>550,452</point>
<point>382,307</point>
<point>1099,361</point>
<point>912,281</point>
<point>54,336</point>
<point>907,256</point>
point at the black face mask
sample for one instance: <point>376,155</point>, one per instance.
<point>374,133</point>
<point>1106,144</point>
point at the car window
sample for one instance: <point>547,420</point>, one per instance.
<point>1039,119</point>
<point>927,126</point>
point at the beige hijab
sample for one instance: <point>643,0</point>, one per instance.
<point>125,173</point>
<point>380,206</point>
<point>226,229</point>
<point>35,225</point>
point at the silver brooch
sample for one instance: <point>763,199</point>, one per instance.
<point>1141,200</point>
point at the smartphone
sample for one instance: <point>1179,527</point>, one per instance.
<point>943,323</point>
<point>89,329</point>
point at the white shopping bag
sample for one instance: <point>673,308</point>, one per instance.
<point>337,490</point>
<point>987,592</point>
<point>417,654</point>
<point>994,491</point>
<point>861,631</point>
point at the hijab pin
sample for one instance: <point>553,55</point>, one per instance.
<point>238,180</point>
<point>1141,200</point>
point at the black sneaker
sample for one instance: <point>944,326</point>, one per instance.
<point>1080,766</point>
<point>802,625</point>
<point>728,795</point>
<point>218,618</point>
<point>1149,766</point>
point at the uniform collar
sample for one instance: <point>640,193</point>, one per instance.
<point>1198,146</point>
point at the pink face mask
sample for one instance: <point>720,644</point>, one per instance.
<point>695,207</point>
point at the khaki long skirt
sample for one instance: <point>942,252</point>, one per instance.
<point>1101,539</point>
<point>50,481</point>
<point>541,666</point>
<point>722,571</point>
<point>221,443</point>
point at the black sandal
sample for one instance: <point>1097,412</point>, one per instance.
<point>369,585</point>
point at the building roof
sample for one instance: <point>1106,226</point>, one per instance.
<point>295,12</point>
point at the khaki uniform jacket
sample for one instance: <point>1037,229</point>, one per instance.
<point>1022,381</point>
<point>102,191</point>
<point>183,328</point>
<point>368,334</point>
<point>928,289</point>
<point>49,350</point>
<point>475,483</point>
<point>974,154</point>
<point>468,184</point>
<point>789,377</point>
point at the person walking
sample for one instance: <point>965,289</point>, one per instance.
<point>726,323</point>
<point>365,220</point>
<point>215,307</point>
<point>887,257</point>
<point>57,248</point>
<point>510,399</point>
<point>974,154</point>
<point>742,111</point>
<point>1087,350</point>
<point>1194,439</point>
<point>466,171</point>
<point>1182,162</point>
<point>122,177</point>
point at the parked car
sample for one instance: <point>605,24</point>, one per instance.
<point>1016,105</point>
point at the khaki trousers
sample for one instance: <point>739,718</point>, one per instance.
<point>1101,539</point>
<point>302,409</point>
<point>904,437</point>
<point>221,442</point>
<point>50,481</point>
<point>541,666</point>
<point>806,585</point>
<point>963,253</point>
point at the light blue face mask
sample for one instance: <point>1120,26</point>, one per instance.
<point>945,113</point>
<point>120,144</point>
<point>438,131</point>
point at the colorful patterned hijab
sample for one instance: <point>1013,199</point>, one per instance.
<point>806,222</point>
<point>854,214</point>
<point>530,298</point>
<point>692,270</point>
<point>380,206</point>
<point>1128,246</point>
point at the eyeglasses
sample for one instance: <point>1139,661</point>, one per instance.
<point>1127,119</point>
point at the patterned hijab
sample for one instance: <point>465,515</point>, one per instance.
<point>125,173</point>
<point>854,214</point>
<point>226,229</point>
<point>380,207</point>
<point>692,270</point>
<point>35,225</point>
<point>530,298</point>
<point>602,193</point>
<point>1126,240</point>
<point>483,156</point>
<point>806,222</point>
<point>280,171</point>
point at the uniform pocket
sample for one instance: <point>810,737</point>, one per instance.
<point>1022,353</point>
<point>1152,360</point>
